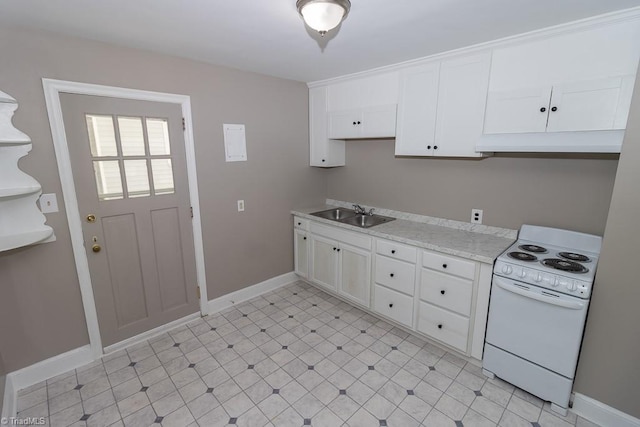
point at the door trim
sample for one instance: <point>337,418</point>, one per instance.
<point>52,90</point>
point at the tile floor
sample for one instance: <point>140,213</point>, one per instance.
<point>294,357</point>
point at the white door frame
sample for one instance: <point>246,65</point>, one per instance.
<point>52,90</point>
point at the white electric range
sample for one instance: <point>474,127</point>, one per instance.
<point>540,296</point>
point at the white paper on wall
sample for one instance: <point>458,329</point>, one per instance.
<point>235,144</point>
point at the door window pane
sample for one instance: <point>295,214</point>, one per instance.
<point>162,176</point>
<point>131,136</point>
<point>102,136</point>
<point>158,132</point>
<point>108,180</point>
<point>137,178</point>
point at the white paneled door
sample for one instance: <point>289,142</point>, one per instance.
<point>129,170</point>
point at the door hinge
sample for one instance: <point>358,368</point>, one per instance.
<point>191,210</point>
<point>198,291</point>
<point>184,125</point>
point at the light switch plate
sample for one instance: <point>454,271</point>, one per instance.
<point>48,203</point>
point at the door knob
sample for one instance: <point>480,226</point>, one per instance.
<point>96,248</point>
<point>91,218</point>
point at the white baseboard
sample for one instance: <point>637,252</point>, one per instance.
<point>10,401</point>
<point>229,300</point>
<point>600,413</point>
<point>39,372</point>
<point>150,334</point>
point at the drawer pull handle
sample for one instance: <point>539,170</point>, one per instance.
<point>391,305</point>
<point>444,265</point>
<point>391,274</point>
<point>393,251</point>
<point>442,292</point>
<point>440,326</point>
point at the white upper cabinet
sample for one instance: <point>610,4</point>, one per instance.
<point>441,108</point>
<point>323,152</point>
<point>462,98</point>
<point>417,110</point>
<point>573,82</point>
<point>363,107</point>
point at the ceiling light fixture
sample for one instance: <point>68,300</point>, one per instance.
<point>323,15</point>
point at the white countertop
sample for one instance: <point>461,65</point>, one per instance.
<point>482,247</point>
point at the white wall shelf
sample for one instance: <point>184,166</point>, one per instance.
<point>21,222</point>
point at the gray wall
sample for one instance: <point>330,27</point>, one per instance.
<point>608,369</point>
<point>571,192</point>
<point>39,292</point>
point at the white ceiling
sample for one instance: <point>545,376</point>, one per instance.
<point>269,37</point>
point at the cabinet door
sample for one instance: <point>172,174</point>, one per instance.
<point>590,105</point>
<point>345,124</point>
<point>323,152</point>
<point>324,262</point>
<point>517,111</point>
<point>462,98</point>
<point>379,122</point>
<point>417,110</point>
<point>301,253</point>
<point>355,274</point>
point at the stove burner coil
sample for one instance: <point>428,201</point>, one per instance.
<point>521,256</point>
<point>574,257</point>
<point>564,265</point>
<point>533,248</point>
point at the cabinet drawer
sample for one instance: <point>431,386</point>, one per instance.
<point>446,291</point>
<point>300,223</point>
<point>394,305</point>
<point>450,328</point>
<point>448,264</point>
<point>396,250</point>
<point>395,274</point>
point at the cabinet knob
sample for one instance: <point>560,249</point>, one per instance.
<point>338,249</point>
<point>543,109</point>
<point>391,305</point>
<point>391,275</point>
<point>554,109</point>
<point>393,251</point>
<point>304,238</point>
<point>323,160</point>
<point>354,123</point>
<point>440,326</point>
<point>442,291</point>
<point>334,249</point>
<point>359,122</point>
<point>299,223</point>
<point>428,147</point>
<point>435,147</point>
<point>444,265</point>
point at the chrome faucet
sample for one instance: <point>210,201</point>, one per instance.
<point>359,210</point>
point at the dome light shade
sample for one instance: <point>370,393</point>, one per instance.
<point>323,15</point>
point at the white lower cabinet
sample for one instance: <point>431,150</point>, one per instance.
<point>440,296</point>
<point>301,249</point>
<point>341,262</point>
<point>449,328</point>
<point>394,305</point>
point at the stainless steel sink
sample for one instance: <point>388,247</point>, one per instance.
<point>348,216</point>
<point>336,214</point>
<point>366,221</point>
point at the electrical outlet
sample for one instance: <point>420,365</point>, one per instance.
<point>240,205</point>
<point>476,216</point>
<point>48,203</point>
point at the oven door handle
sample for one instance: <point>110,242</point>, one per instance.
<point>573,305</point>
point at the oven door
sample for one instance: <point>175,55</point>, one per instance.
<point>541,326</point>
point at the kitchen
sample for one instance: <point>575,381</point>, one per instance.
<point>277,178</point>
